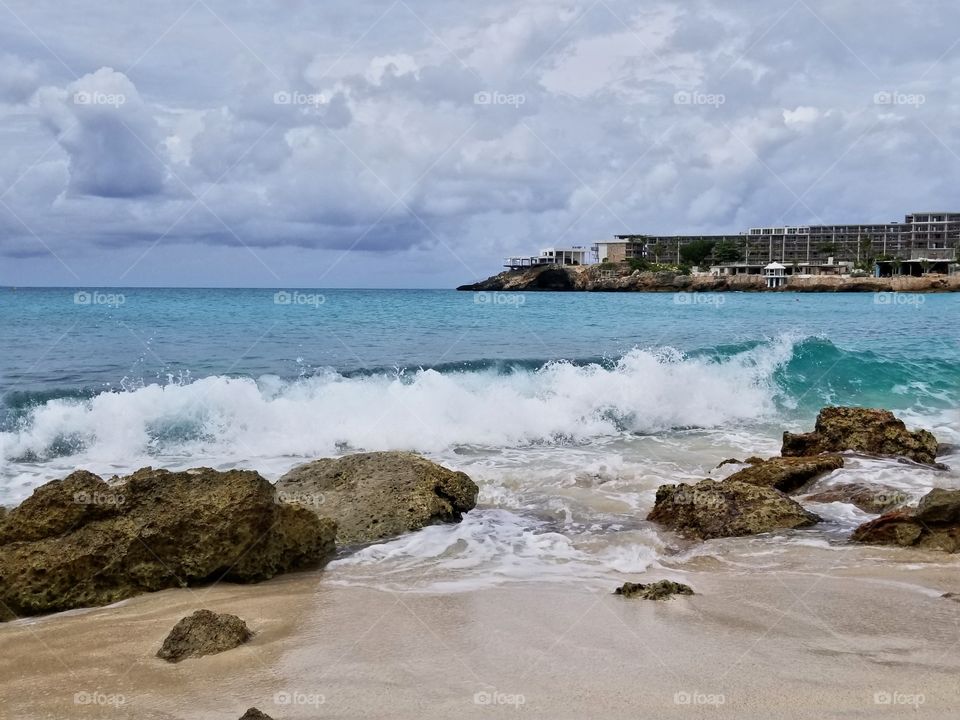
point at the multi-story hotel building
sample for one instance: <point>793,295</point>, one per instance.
<point>929,239</point>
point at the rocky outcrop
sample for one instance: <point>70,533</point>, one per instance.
<point>873,499</point>
<point>203,633</point>
<point>864,430</point>
<point>713,509</point>
<point>786,473</point>
<point>610,277</point>
<point>80,542</point>
<point>934,525</point>
<point>621,277</point>
<point>374,496</point>
<point>660,590</point>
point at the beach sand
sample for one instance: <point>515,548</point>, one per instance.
<point>851,633</point>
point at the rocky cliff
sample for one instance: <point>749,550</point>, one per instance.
<point>619,277</point>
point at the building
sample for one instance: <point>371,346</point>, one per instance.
<point>775,274</point>
<point>575,255</point>
<point>924,242</point>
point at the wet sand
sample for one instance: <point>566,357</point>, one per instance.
<point>859,637</point>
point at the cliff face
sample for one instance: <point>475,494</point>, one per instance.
<point>609,278</point>
<point>620,278</point>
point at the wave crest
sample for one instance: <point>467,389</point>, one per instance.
<point>645,391</point>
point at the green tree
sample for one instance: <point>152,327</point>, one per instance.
<point>865,259</point>
<point>695,252</point>
<point>726,251</point>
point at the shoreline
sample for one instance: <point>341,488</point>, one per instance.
<point>615,278</point>
<point>827,640</point>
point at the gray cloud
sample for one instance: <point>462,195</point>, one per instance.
<point>109,134</point>
<point>458,132</point>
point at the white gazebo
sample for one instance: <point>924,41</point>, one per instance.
<point>776,275</point>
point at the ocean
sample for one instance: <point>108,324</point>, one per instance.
<point>568,409</point>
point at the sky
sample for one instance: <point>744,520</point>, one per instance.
<point>402,143</point>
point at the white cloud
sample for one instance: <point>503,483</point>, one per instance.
<point>111,137</point>
<point>779,103</point>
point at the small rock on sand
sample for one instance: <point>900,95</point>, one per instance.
<point>660,590</point>
<point>255,714</point>
<point>203,633</point>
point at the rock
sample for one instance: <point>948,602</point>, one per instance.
<point>864,430</point>
<point>728,461</point>
<point>934,525</point>
<point>787,473</point>
<point>374,496</point>
<point>713,509</point>
<point>254,714</point>
<point>660,590</point>
<point>60,507</point>
<point>79,542</point>
<point>203,633</point>
<point>939,506</point>
<point>874,499</point>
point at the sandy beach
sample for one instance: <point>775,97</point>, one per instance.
<point>852,633</point>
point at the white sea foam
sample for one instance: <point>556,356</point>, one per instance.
<point>490,547</point>
<point>217,419</point>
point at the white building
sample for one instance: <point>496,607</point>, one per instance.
<point>776,275</point>
<point>573,255</point>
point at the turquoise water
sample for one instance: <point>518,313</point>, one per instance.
<point>873,345</point>
<point>569,410</point>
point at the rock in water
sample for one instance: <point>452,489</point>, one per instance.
<point>787,474</point>
<point>254,714</point>
<point>874,499</point>
<point>203,633</point>
<point>939,507</point>
<point>374,496</point>
<point>80,542</point>
<point>660,590</point>
<point>934,525</point>
<point>713,509</point>
<point>865,430</point>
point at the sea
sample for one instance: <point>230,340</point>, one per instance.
<point>568,409</point>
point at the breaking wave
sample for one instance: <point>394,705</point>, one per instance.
<point>490,405</point>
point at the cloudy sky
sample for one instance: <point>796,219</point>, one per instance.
<point>414,143</point>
